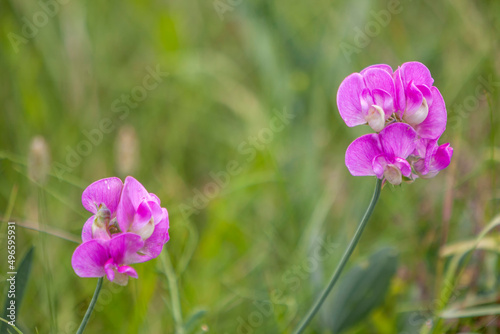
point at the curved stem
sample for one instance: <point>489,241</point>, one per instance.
<point>343,261</point>
<point>91,306</point>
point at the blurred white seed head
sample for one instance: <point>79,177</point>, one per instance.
<point>126,150</point>
<point>38,160</point>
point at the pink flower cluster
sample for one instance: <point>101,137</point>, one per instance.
<point>408,115</point>
<point>128,226</point>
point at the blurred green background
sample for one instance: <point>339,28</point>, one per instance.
<point>250,253</point>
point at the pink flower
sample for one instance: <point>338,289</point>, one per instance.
<point>97,258</point>
<point>408,112</point>
<point>431,158</point>
<point>120,210</point>
<point>367,97</point>
<point>418,102</point>
<point>383,154</point>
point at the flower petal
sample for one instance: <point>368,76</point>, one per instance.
<point>414,98</point>
<point>378,164</point>
<point>400,102</point>
<point>435,123</point>
<point>416,72</point>
<point>403,165</point>
<point>132,196</point>
<point>105,191</point>
<point>376,78</point>
<point>89,259</point>
<point>87,229</point>
<point>129,271</point>
<point>123,247</point>
<point>154,244</point>
<point>441,158</point>
<point>110,268</point>
<point>360,154</point>
<point>384,100</point>
<point>348,100</point>
<point>384,67</point>
<point>398,140</point>
<point>142,216</point>
<point>366,102</point>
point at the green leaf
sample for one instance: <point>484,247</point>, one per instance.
<point>21,279</point>
<point>361,290</point>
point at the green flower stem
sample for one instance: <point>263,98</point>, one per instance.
<point>343,261</point>
<point>91,306</point>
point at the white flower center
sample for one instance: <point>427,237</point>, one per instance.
<point>376,118</point>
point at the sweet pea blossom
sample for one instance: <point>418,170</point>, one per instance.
<point>128,226</point>
<point>367,97</point>
<point>418,102</point>
<point>408,113</point>
<point>433,158</point>
<point>383,154</point>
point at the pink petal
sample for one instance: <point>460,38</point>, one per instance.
<point>132,196</point>
<point>441,158</point>
<point>416,72</point>
<point>154,244</point>
<point>142,216</point>
<point>110,268</point>
<point>127,270</point>
<point>385,101</point>
<point>156,211</point>
<point>414,98</point>
<point>123,247</point>
<point>366,102</point>
<point>398,140</point>
<point>87,229</point>
<point>400,102</point>
<point>165,217</point>
<point>153,197</point>
<point>89,259</point>
<point>378,165</point>
<point>426,92</point>
<point>360,154</point>
<point>105,191</point>
<point>404,166</point>
<point>376,78</point>
<point>348,100</point>
<point>435,123</point>
<point>384,67</point>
